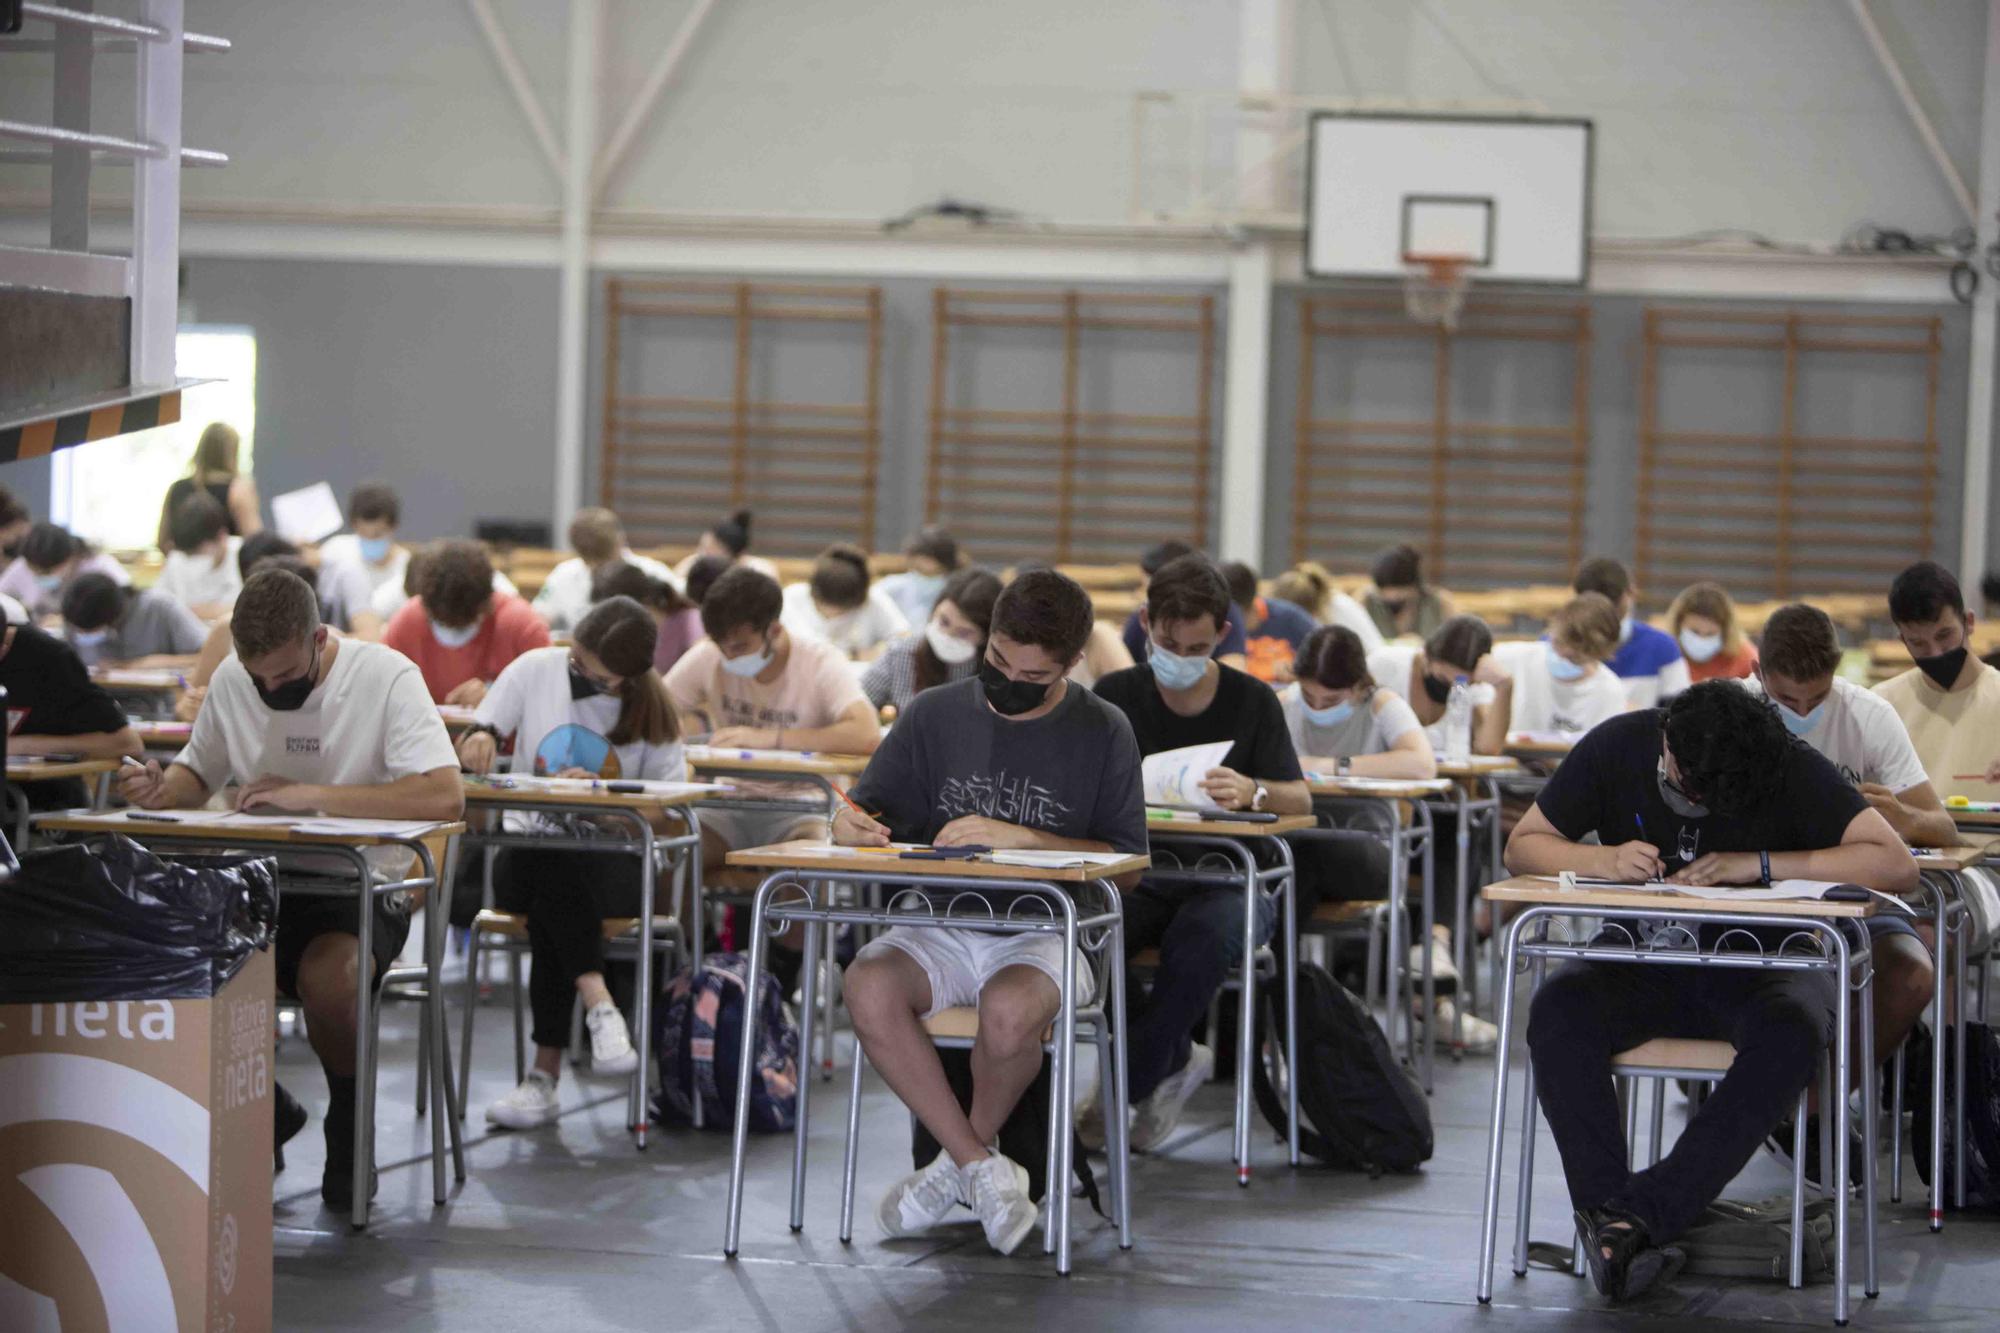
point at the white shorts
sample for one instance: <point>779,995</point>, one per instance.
<point>959,963</point>
<point>740,829</point>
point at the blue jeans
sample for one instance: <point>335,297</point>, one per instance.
<point>1199,933</point>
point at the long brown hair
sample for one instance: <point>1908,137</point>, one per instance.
<point>973,592</point>
<point>622,635</point>
<point>215,453</point>
<point>1334,658</point>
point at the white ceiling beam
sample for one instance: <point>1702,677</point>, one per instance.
<point>1920,119</point>
<point>515,77</point>
<point>613,153</point>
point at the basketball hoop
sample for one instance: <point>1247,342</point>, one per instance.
<point>1434,288</point>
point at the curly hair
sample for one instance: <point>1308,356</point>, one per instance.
<point>1729,745</point>
<point>456,583</point>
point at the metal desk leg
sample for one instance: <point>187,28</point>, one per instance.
<point>1461,889</point>
<point>807,1003</point>
<point>697,920</point>
<point>1942,921</point>
<point>1490,1216</point>
<point>364,1047</point>
<point>1395,977</point>
<point>1246,1016</point>
<point>732,1224</point>
<point>1117,1126</point>
<point>1870,1089</point>
<point>1960,954</point>
<point>1843,1068</point>
<point>1057,1190</point>
<point>637,1112</point>
<point>1426,935</point>
<point>1290,925</point>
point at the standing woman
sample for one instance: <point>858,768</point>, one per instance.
<point>948,649</point>
<point>595,709</point>
<point>214,471</point>
<point>1703,622</point>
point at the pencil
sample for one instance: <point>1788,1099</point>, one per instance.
<point>850,803</point>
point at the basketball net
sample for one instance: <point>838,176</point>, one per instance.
<point>1434,288</point>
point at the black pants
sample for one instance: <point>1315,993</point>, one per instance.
<point>1199,933</point>
<point>566,896</point>
<point>1779,1022</point>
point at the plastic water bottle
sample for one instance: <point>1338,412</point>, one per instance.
<point>1458,722</point>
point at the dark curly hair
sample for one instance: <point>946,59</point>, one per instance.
<point>1729,745</point>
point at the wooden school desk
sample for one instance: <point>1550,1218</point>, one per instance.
<point>153,689</point>
<point>800,883</point>
<point>24,770</point>
<point>634,811</point>
<point>1237,839</point>
<point>435,849</point>
<point>162,736</point>
<point>1398,799</point>
<point>1528,939</point>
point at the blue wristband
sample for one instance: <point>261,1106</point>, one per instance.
<point>1764,859</point>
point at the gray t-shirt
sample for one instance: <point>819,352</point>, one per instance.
<point>1073,773</point>
<point>1375,725</point>
<point>153,624</point>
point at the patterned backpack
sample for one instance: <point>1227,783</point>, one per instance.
<point>698,1033</point>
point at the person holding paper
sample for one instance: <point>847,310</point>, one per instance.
<point>1181,697</point>
<point>458,630</point>
<point>1862,736</point>
<point>305,723</point>
<point>1017,758</point>
<point>1709,790</point>
<point>596,709</point>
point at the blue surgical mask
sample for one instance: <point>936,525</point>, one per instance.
<point>455,638</point>
<point>1561,667</point>
<point>750,664</point>
<point>926,585</point>
<point>49,582</point>
<point>1328,717</point>
<point>1800,724</point>
<point>1173,671</point>
<point>89,638</point>
<point>1700,647</point>
<point>375,549</point>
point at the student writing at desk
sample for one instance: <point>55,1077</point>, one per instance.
<point>1178,697</point>
<point>306,723</point>
<point>1021,758</point>
<point>107,621</point>
<point>201,571</point>
<point>1860,734</point>
<point>67,713</point>
<point>1710,790</point>
<point>459,631</point>
<point>595,709</point>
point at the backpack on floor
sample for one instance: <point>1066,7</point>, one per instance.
<point>1364,1111</point>
<point>1736,1239</point>
<point>1025,1136</point>
<point>1982,1108</point>
<point>698,1039</point>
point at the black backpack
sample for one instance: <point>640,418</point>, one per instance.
<point>1025,1136</point>
<point>1982,1108</point>
<point>1369,1112</point>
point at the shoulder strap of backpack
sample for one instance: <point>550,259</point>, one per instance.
<point>702,1054</point>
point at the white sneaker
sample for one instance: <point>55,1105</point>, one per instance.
<point>611,1053</point>
<point>922,1199</point>
<point>529,1106</point>
<point>997,1188</point>
<point>1443,970</point>
<point>1481,1037</point>
<point>1155,1118</point>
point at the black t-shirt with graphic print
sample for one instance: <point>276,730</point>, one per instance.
<point>1073,773</point>
<point>1613,775</point>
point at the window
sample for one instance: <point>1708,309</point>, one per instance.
<point>109,493</point>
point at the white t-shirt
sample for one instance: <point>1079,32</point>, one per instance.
<point>874,622</point>
<point>1390,666</point>
<point>1863,737</point>
<point>344,592</point>
<point>193,580</point>
<point>530,701</point>
<point>11,611</point>
<point>1372,727</point>
<point>1543,703</point>
<point>345,549</point>
<point>371,721</point>
<point>1647,691</point>
<point>565,596</point>
<point>389,597</point>
<point>1344,610</point>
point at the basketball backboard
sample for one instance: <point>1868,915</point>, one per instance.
<point>1508,197</point>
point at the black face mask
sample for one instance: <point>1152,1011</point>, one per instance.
<point>1437,691</point>
<point>292,695</point>
<point>1944,668</point>
<point>1010,698</point>
<point>1396,606</point>
<point>11,550</point>
<point>581,686</point>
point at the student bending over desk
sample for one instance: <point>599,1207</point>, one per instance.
<point>595,709</point>
<point>838,605</point>
<point>1181,697</point>
<point>305,723</point>
<point>1018,758</point>
<point>1423,677</point>
<point>458,630</point>
<point>201,570</point>
<point>66,712</point>
<point>1709,790</point>
<point>1562,683</point>
<point>599,542</point>
<point>1647,660</point>
<point>107,621</point>
<point>373,512</point>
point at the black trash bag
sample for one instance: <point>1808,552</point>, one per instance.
<point>107,919</point>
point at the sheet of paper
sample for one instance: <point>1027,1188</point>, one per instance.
<point>1784,890</point>
<point>525,783</point>
<point>308,515</point>
<point>387,828</point>
<point>1053,860</point>
<point>1173,777</point>
<point>1544,737</point>
<point>1352,783</point>
<point>722,755</point>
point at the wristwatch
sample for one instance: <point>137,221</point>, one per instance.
<point>1257,801</point>
<point>1342,766</point>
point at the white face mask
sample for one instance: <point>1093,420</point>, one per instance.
<point>1700,647</point>
<point>454,638</point>
<point>948,650</point>
<point>750,664</point>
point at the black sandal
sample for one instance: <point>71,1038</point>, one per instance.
<point>1634,1265</point>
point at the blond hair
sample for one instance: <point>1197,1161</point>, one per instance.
<point>215,453</point>
<point>1587,626</point>
<point>1711,602</point>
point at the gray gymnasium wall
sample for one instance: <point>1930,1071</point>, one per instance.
<point>441,380</point>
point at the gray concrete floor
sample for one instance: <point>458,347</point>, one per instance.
<point>571,1229</point>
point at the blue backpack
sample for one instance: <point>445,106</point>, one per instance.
<point>698,1033</point>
